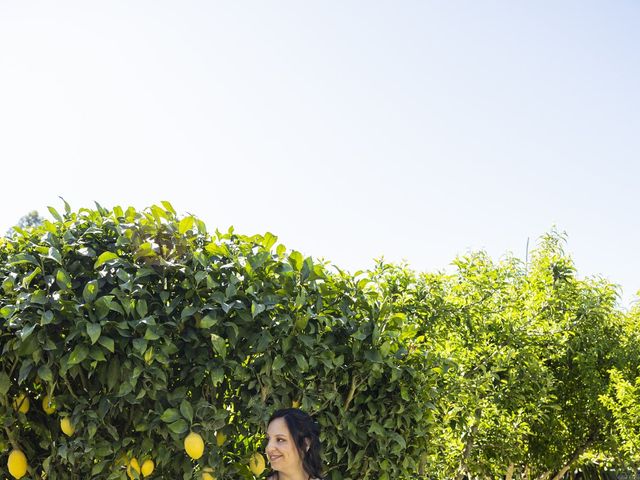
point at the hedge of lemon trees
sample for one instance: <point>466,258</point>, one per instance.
<point>136,344</point>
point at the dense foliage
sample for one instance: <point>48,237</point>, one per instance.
<point>141,326</point>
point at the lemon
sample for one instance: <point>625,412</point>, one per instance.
<point>17,464</point>
<point>133,466</point>
<point>194,445</point>
<point>207,474</point>
<point>220,438</point>
<point>67,427</point>
<point>48,405</point>
<point>295,404</point>
<point>21,403</point>
<point>147,467</point>
<point>257,464</point>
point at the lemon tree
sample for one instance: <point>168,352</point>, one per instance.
<point>159,340</point>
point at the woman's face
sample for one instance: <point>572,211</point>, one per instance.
<point>281,448</point>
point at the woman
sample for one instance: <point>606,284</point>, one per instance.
<point>293,446</point>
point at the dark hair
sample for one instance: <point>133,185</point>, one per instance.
<point>305,432</point>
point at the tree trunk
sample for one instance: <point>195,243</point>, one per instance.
<point>463,468</point>
<point>509,474</point>
<point>576,454</point>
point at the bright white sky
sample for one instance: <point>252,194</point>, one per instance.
<point>414,130</point>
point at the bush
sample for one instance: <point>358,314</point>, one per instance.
<point>142,327</point>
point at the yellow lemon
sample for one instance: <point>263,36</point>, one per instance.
<point>207,474</point>
<point>48,405</point>
<point>257,464</point>
<point>220,438</point>
<point>133,466</point>
<point>194,445</point>
<point>147,467</point>
<point>295,404</point>
<point>21,403</point>
<point>17,464</point>
<point>67,427</point>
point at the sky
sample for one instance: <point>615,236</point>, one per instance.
<point>416,131</point>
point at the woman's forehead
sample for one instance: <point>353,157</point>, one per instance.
<point>278,427</point>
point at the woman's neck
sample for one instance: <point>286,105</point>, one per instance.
<point>294,476</point>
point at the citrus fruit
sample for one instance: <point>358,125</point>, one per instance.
<point>133,466</point>
<point>256,464</point>
<point>21,403</point>
<point>48,405</point>
<point>207,474</point>
<point>295,404</point>
<point>17,464</point>
<point>194,445</point>
<point>147,467</point>
<point>220,438</point>
<point>66,426</point>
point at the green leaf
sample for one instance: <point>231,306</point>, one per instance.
<point>296,260</point>
<point>170,415</point>
<point>167,206</point>
<point>302,362</point>
<point>23,258</point>
<point>94,330</point>
<point>90,291</point>
<point>179,426</point>
<point>27,331</point>
<point>140,345</point>
<point>5,383</point>
<point>46,318</point>
<point>373,356</point>
<point>103,305</point>
<point>219,345</point>
<point>151,333</point>
<point>141,307</point>
<point>55,214</point>
<point>220,250</point>
<point>7,311</point>
<point>185,224</point>
<point>79,353</point>
<point>63,279</point>
<point>104,258</point>
<point>45,373</point>
<point>113,372</point>
<point>39,297</point>
<point>26,281</point>
<point>25,370</point>
<point>268,240</point>
<point>209,320</point>
<point>278,363</point>
<point>256,309</point>
<point>107,343</point>
<point>217,376</point>
<point>54,254</point>
<point>186,410</point>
